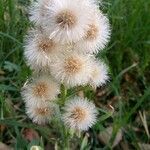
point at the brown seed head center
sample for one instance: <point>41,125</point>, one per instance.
<point>78,114</point>
<point>72,65</point>
<point>46,45</point>
<point>43,111</point>
<point>92,32</point>
<point>41,89</point>
<point>66,18</point>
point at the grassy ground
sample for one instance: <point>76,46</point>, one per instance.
<point>128,55</point>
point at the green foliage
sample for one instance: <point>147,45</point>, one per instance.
<point>129,59</point>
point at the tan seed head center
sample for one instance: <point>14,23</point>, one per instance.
<point>78,114</point>
<point>92,32</point>
<point>41,89</point>
<point>43,111</point>
<point>66,18</point>
<point>72,65</point>
<point>46,45</point>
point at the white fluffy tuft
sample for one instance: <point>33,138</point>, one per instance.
<point>80,17</point>
<point>40,56</point>
<point>38,11</point>
<point>41,114</point>
<point>40,91</point>
<point>72,69</point>
<point>100,33</point>
<point>79,114</point>
<point>99,74</point>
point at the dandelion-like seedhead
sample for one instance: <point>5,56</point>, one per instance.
<point>79,114</point>
<point>99,74</point>
<point>96,36</point>
<point>72,69</point>
<point>40,91</point>
<point>41,114</point>
<point>66,20</point>
<point>61,50</point>
<point>40,51</point>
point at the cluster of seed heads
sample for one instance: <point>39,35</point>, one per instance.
<point>61,50</point>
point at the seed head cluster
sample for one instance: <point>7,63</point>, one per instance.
<point>60,50</point>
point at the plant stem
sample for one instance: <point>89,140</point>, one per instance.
<point>63,94</point>
<point>65,131</point>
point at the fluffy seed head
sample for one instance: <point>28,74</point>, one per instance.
<point>40,51</point>
<point>40,90</point>
<point>72,69</point>
<point>96,36</point>
<point>41,114</point>
<point>99,74</point>
<point>79,114</point>
<point>66,20</point>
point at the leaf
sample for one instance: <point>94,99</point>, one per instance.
<point>144,121</point>
<point>84,142</point>
<point>4,87</point>
<point>11,66</point>
<point>105,136</point>
<point>12,122</point>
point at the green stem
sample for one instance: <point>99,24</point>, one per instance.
<point>63,94</point>
<point>65,131</point>
<point>66,140</point>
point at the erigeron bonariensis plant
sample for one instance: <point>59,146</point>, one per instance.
<point>61,51</point>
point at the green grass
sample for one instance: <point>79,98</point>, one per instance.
<point>128,55</point>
